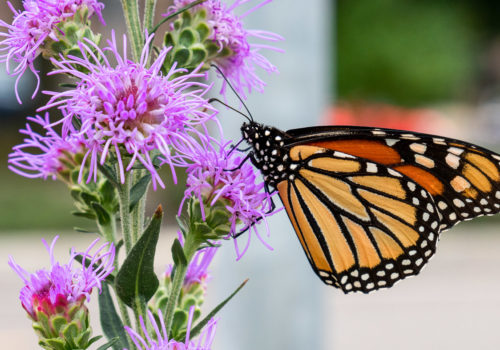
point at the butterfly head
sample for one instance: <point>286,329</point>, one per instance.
<point>268,153</point>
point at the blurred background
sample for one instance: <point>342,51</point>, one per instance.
<point>428,65</point>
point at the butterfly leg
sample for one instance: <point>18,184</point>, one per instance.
<point>241,164</point>
<point>268,191</point>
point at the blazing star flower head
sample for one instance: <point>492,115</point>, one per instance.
<point>197,271</point>
<point>128,110</point>
<point>56,289</point>
<point>217,174</point>
<point>159,340</point>
<point>30,29</point>
<point>227,31</point>
<point>45,155</point>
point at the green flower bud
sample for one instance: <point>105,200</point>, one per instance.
<point>190,42</point>
<point>70,31</point>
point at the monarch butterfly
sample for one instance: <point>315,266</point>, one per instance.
<point>368,204</point>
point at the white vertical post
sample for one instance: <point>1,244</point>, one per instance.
<point>281,306</point>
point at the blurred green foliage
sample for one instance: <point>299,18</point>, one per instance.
<point>405,52</point>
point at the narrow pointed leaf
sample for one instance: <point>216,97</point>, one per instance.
<point>139,190</point>
<point>178,253</point>
<point>136,278</point>
<point>111,323</point>
<point>109,172</point>
<point>108,344</point>
<point>102,214</point>
<point>84,230</point>
<point>199,326</point>
<point>83,214</point>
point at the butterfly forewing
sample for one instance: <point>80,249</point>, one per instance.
<point>359,229</point>
<point>463,179</point>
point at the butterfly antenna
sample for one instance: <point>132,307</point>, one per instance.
<point>213,99</point>
<point>234,91</point>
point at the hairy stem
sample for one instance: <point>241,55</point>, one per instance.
<point>124,200</point>
<point>135,32</point>
<point>109,231</point>
<point>191,245</point>
<point>149,15</point>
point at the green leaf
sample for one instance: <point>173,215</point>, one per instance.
<point>75,193</point>
<point>186,18</point>
<point>203,30</point>
<point>68,85</point>
<point>136,278</point>
<point>83,214</point>
<point>77,123</point>
<point>108,344</point>
<point>198,55</point>
<point>179,321</point>
<point>84,230</point>
<point>212,48</point>
<point>182,224</point>
<point>94,339</point>
<point>88,198</point>
<point>181,56</point>
<point>102,214</point>
<point>54,343</point>
<point>111,323</point>
<point>107,192</point>
<point>169,40</point>
<point>187,37</point>
<point>139,190</point>
<point>178,254</point>
<point>74,176</point>
<point>199,326</point>
<point>109,172</point>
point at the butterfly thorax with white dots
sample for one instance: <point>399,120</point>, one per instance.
<point>268,154</point>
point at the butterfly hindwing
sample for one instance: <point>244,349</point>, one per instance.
<point>362,225</point>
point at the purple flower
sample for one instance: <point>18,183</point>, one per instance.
<point>159,340</point>
<point>217,175</point>
<point>45,155</point>
<point>228,33</point>
<point>197,271</point>
<point>128,110</point>
<point>30,29</point>
<point>54,290</point>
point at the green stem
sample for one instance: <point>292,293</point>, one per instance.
<point>136,35</point>
<point>191,245</point>
<point>149,15</point>
<point>138,212</point>
<point>109,231</point>
<point>139,307</point>
<point>124,200</point>
<point>124,312</point>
